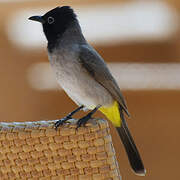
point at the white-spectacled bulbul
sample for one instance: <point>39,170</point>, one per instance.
<point>84,76</point>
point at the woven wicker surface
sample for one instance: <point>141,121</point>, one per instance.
<point>35,150</point>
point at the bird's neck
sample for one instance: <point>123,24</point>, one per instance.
<point>72,35</point>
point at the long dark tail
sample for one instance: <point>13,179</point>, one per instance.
<point>130,147</point>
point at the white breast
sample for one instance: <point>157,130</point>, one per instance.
<point>77,82</point>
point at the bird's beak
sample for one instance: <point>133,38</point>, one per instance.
<point>37,18</point>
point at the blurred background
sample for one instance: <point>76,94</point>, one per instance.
<point>139,40</point>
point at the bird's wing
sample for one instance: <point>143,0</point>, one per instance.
<point>97,68</point>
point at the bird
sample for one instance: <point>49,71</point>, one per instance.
<point>85,77</point>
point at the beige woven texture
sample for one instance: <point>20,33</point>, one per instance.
<point>35,150</point>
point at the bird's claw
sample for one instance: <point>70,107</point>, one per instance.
<point>60,122</point>
<point>83,121</point>
<point>69,116</point>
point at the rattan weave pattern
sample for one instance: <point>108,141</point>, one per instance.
<point>35,150</point>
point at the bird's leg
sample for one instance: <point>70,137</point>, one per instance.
<point>69,116</point>
<point>84,119</point>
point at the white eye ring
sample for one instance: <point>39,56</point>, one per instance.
<point>50,20</point>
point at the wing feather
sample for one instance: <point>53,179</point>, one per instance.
<point>97,68</point>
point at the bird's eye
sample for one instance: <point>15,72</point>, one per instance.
<point>50,20</point>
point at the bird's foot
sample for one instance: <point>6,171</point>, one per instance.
<point>69,116</point>
<point>85,119</point>
<point>60,122</point>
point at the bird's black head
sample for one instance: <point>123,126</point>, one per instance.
<point>55,22</point>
